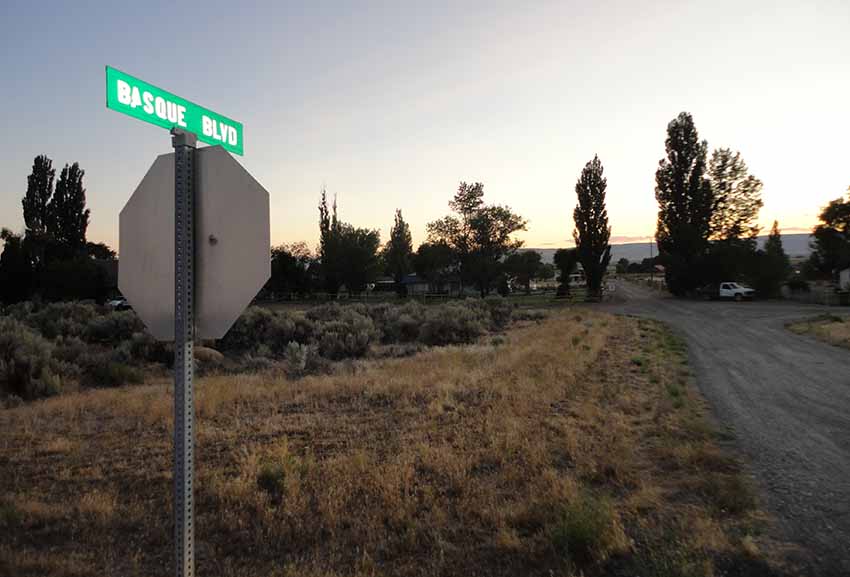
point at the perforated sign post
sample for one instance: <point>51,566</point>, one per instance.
<point>197,285</point>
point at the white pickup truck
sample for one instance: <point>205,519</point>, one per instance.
<point>732,290</point>
<point>727,290</point>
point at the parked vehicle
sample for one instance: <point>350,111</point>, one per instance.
<point>727,290</point>
<point>119,304</point>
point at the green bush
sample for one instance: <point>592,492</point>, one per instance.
<point>25,361</point>
<point>528,315</point>
<point>397,323</point>
<point>297,357</point>
<point>143,348</point>
<point>260,326</point>
<point>103,371</point>
<point>62,319</point>
<point>500,312</point>
<point>347,337</point>
<point>587,531</point>
<point>247,330</point>
<point>270,479</point>
<point>452,324</point>
<point>108,368</point>
<point>113,327</point>
<point>69,349</point>
<point>255,364</point>
<point>325,313</point>
<point>732,494</point>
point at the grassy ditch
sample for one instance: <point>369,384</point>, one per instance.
<point>572,446</point>
<point>832,329</point>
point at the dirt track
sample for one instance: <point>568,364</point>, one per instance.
<point>786,400</point>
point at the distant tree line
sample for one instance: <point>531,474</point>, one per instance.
<point>706,233</point>
<point>52,259</point>
<point>472,247</point>
<point>645,266</point>
<point>707,213</point>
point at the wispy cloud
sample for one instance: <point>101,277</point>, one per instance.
<point>628,239</point>
<point>792,230</point>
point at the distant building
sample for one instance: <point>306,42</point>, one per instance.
<point>415,285</point>
<point>844,279</point>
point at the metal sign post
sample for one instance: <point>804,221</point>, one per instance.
<point>184,359</point>
<point>218,261</point>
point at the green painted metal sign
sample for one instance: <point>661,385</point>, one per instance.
<point>144,101</point>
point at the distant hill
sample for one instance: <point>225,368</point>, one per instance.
<point>796,245</point>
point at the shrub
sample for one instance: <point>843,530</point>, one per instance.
<point>67,352</point>
<point>25,361</point>
<point>451,324</point>
<point>528,315</point>
<point>69,349</point>
<point>325,313</point>
<point>381,313</point>
<point>731,494</point>
<point>270,479</point>
<point>588,531</point>
<point>281,332</point>
<point>256,364</point>
<point>105,369</point>
<point>260,326</point>
<point>404,329</point>
<point>348,337</point>
<point>500,312</point>
<point>64,319</point>
<point>297,357</point>
<point>305,330</point>
<point>113,327</point>
<point>143,348</point>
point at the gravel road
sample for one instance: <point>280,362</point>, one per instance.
<point>785,398</point>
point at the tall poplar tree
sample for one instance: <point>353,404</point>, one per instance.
<point>329,245</point>
<point>68,215</point>
<point>685,205</point>
<point>398,252</point>
<point>37,197</point>
<point>736,197</point>
<point>592,232</point>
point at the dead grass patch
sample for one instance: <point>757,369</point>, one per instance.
<point>549,452</point>
<point>829,328</point>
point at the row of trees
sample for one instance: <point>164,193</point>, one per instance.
<point>707,217</point>
<point>52,258</point>
<point>474,247</point>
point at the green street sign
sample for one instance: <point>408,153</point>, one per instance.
<point>144,101</point>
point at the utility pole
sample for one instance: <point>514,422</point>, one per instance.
<point>652,264</point>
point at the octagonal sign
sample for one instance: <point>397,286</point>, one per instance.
<point>232,238</point>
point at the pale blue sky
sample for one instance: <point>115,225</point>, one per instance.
<point>390,104</point>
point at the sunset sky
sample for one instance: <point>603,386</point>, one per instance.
<point>390,104</point>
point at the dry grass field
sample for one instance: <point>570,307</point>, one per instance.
<point>832,329</point>
<point>572,446</point>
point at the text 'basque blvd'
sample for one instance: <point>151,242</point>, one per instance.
<point>172,112</point>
